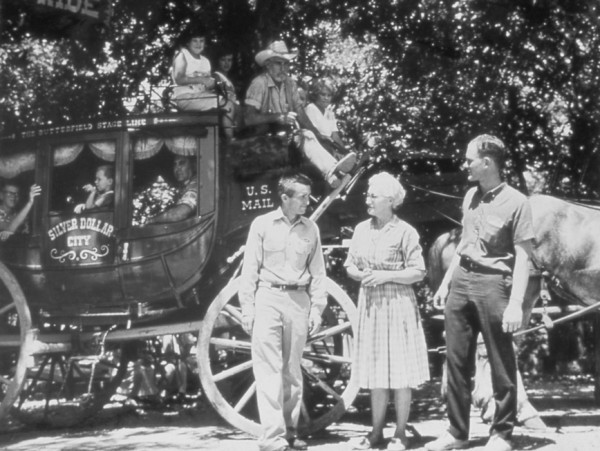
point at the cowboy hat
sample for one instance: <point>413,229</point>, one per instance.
<point>275,49</point>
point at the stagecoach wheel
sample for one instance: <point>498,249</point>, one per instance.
<point>226,367</point>
<point>63,389</point>
<point>16,338</point>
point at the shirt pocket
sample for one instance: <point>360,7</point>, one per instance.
<point>300,250</point>
<point>493,232</point>
<point>274,251</point>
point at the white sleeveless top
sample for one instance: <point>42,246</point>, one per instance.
<point>192,65</point>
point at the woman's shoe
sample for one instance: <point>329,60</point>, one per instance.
<point>396,444</point>
<point>367,443</point>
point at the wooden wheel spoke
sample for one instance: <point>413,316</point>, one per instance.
<point>234,370</point>
<point>328,359</point>
<point>330,332</point>
<point>234,311</point>
<point>245,398</point>
<point>229,343</point>
<point>7,308</point>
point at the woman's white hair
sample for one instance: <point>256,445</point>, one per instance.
<point>385,184</point>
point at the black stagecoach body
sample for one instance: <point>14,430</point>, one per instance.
<point>81,288</point>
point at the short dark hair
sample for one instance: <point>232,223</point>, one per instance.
<point>108,170</point>
<point>492,147</point>
<point>196,30</point>
<point>192,160</point>
<point>6,183</point>
<point>286,181</point>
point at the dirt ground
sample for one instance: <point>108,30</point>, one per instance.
<point>566,405</point>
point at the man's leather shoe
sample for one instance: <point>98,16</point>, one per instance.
<point>296,443</point>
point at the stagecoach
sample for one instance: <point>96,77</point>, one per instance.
<point>79,291</point>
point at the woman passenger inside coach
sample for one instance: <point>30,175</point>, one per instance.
<point>390,350</point>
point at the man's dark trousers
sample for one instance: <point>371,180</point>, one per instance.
<point>476,303</point>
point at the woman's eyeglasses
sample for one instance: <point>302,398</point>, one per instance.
<point>373,196</point>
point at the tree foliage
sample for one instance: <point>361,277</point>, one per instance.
<point>426,75</point>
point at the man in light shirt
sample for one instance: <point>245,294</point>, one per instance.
<point>282,295</point>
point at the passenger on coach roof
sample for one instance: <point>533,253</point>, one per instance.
<point>322,116</point>
<point>224,63</point>
<point>11,220</point>
<point>191,73</point>
<point>273,98</point>
<point>186,202</point>
<point>101,193</point>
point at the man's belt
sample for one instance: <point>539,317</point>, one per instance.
<point>472,266</point>
<point>283,287</point>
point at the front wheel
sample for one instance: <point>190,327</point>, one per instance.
<point>225,362</point>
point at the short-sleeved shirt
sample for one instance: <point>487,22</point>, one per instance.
<point>106,199</point>
<point>492,224</point>
<point>6,218</point>
<point>267,97</point>
<point>189,194</point>
<point>325,123</point>
<point>279,252</point>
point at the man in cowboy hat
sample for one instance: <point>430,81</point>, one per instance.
<point>272,98</point>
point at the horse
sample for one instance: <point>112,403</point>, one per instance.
<point>567,246</point>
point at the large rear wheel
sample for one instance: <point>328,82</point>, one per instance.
<point>226,365</point>
<point>16,339</point>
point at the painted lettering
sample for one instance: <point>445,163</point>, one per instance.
<point>107,229</point>
<point>78,240</point>
<point>86,7</point>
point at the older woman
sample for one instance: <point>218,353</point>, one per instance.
<point>390,349</point>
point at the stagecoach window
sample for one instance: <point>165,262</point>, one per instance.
<point>75,167</point>
<point>155,187</point>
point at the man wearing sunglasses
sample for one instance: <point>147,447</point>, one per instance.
<point>11,220</point>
